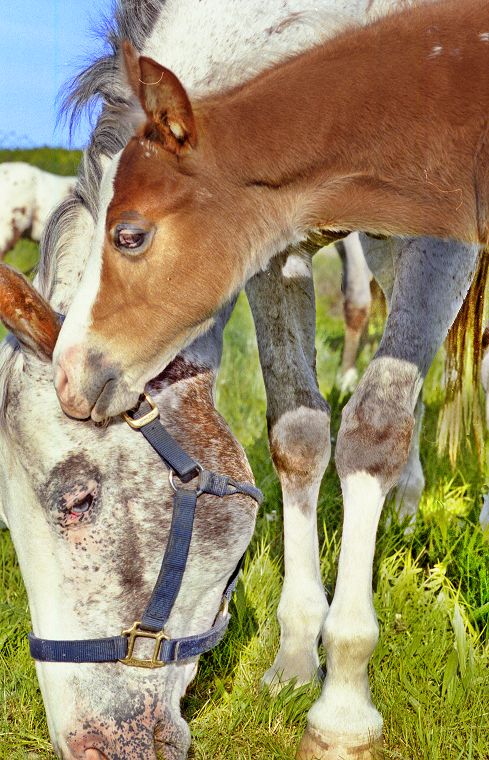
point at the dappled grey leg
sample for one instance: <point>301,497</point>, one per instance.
<point>430,280</point>
<point>282,302</point>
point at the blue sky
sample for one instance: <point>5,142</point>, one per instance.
<point>44,42</point>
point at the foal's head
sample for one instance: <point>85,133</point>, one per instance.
<point>161,262</point>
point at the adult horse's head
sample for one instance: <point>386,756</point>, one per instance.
<point>89,510</point>
<point>160,263</point>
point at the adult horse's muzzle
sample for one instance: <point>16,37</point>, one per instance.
<point>155,731</point>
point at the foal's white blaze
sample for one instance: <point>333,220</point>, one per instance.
<point>484,37</point>
<point>78,319</point>
<point>344,714</point>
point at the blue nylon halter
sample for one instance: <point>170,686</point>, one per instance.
<point>152,623</point>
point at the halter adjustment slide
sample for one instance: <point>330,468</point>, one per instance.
<point>136,632</point>
<point>138,422</point>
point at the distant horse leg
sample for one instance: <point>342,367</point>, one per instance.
<point>431,280</point>
<point>484,515</point>
<point>282,302</point>
<point>356,305</point>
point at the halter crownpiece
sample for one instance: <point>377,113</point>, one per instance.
<point>151,626</point>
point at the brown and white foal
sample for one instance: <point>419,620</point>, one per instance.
<point>204,195</point>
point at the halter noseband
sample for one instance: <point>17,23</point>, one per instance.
<point>152,623</point>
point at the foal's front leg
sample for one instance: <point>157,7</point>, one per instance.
<point>283,306</point>
<point>431,280</point>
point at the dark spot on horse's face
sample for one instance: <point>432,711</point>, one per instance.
<point>71,493</point>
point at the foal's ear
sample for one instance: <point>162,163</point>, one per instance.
<point>164,100</point>
<point>26,314</point>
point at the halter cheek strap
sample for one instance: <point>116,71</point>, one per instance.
<point>165,592</point>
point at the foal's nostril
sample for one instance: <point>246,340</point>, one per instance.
<point>95,754</point>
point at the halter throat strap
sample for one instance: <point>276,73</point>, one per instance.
<point>155,616</point>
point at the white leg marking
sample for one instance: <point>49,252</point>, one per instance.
<point>303,606</point>
<point>344,715</point>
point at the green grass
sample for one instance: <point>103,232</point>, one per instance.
<point>430,671</point>
<point>51,160</point>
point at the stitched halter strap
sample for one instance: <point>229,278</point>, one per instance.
<point>168,583</point>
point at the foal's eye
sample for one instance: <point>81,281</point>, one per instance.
<point>130,239</point>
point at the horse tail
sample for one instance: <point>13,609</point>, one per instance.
<point>462,414</point>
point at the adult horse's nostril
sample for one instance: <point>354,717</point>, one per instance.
<point>95,754</point>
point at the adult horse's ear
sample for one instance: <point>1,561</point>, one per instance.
<point>26,314</point>
<point>164,101</point>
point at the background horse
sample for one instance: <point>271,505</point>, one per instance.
<point>424,278</point>
<point>27,197</point>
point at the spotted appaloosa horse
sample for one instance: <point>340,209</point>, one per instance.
<point>425,280</point>
<point>27,197</point>
<point>89,510</point>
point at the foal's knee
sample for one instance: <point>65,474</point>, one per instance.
<point>300,445</point>
<point>374,439</point>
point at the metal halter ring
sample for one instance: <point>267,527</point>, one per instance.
<point>172,474</point>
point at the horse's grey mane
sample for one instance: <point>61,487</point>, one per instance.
<point>101,81</point>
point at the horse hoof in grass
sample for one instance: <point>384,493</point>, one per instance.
<point>313,746</point>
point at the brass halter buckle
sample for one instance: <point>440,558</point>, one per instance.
<point>136,632</point>
<point>142,421</point>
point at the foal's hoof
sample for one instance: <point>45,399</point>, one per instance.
<point>314,747</point>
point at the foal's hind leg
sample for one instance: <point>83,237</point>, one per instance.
<point>382,258</point>
<point>282,301</point>
<point>431,279</point>
<point>356,305</point>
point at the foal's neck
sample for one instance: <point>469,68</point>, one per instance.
<point>381,129</point>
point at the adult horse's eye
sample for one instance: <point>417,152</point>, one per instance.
<point>82,506</point>
<point>131,239</point>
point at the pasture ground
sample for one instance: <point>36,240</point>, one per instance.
<point>430,671</point>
